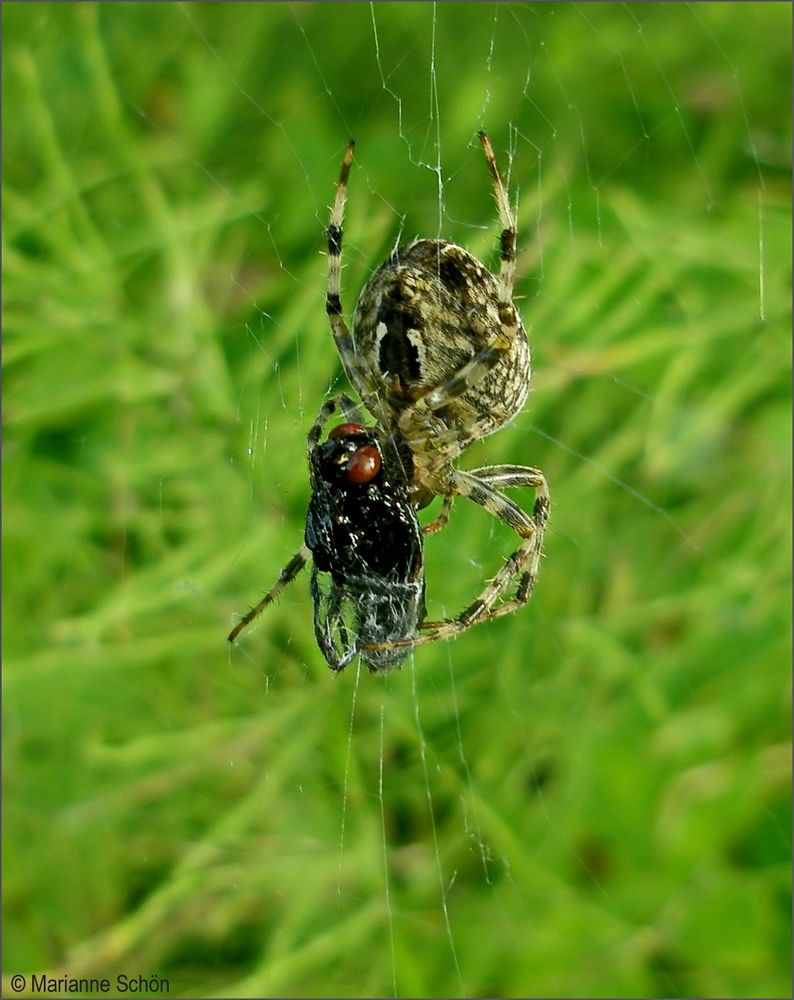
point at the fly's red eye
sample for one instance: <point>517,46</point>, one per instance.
<point>345,430</point>
<point>363,465</point>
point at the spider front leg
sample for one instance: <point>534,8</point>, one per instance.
<point>342,402</point>
<point>507,240</point>
<point>333,303</point>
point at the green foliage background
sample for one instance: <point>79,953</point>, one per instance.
<point>590,798</point>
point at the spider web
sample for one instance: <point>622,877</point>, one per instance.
<point>420,115</point>
<point>541,151</point>
<point>417,833</point>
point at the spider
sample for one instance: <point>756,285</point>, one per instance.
<point>439,356</point>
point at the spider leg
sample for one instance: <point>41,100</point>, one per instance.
<point>499,476</point>
<point>441,518</point>
<point>478,486</point>
<point>342,402</point>
<point>333,303</point>
<point>451,483</point>
<point>467,375</point>
<point>508,476</point>
<point>521,565</point>
<point>424,433</point>
<point>507,240</point>
<point>480,491</point>
<point>287,575</point>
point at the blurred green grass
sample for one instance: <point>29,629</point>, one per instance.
<point>609,770</point>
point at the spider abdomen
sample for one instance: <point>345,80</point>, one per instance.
<point>427,311</point>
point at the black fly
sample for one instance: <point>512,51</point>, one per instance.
<point>367,580</point>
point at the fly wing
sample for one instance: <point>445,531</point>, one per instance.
<point>392,614</point>
<point>336,626</point>
<point>350,619</point>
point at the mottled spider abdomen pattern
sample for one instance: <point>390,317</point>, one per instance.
<point>367,578</point>
<point>424,313</point>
